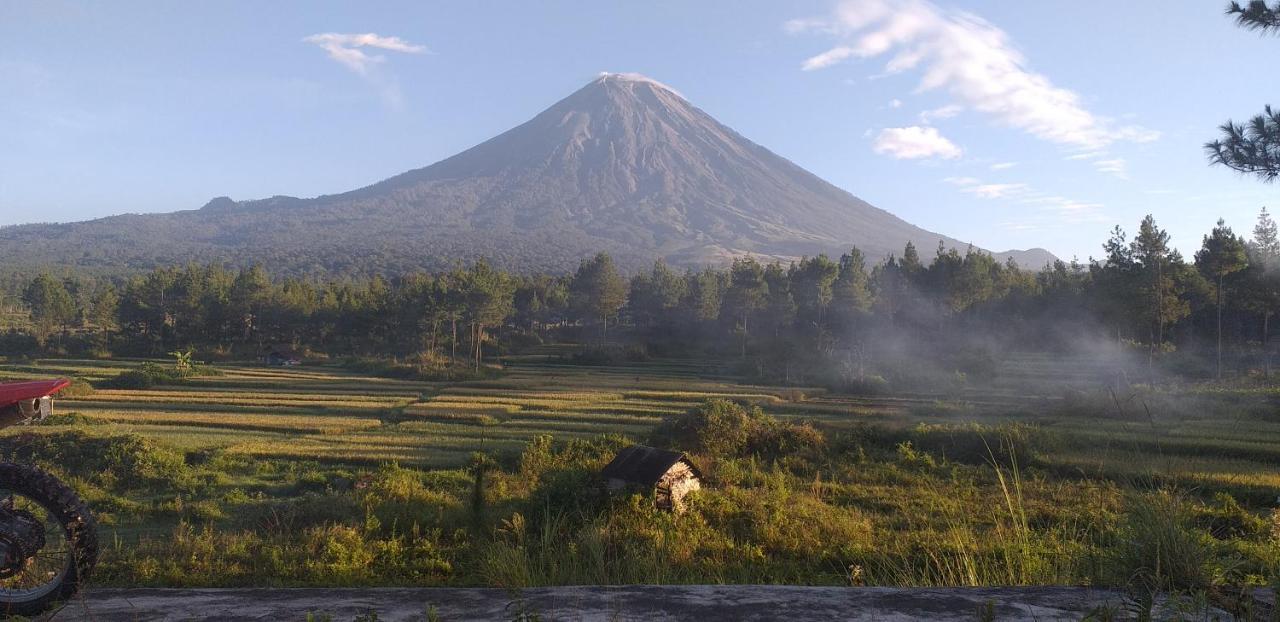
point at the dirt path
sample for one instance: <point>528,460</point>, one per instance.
<point>699,603</point>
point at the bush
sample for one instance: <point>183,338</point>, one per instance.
<point>869,385</point>
<point>125,461</point>
<point>79,388</point>
<point>130,380</point>
<point>151,374</point>
<point>70,418</point>
<point>427,366</point>
<point>1225,519</point>
<point>608,355</point>
<point>1157,551</point>
<point>974,443</point>
<point>721,428</point>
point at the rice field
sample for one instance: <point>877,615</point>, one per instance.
<point>331,415</point>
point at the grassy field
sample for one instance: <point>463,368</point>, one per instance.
<point>911,489</point>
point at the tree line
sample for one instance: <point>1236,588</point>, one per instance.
<point>782,321</point>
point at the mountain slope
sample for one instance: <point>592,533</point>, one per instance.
<point>624,165</point>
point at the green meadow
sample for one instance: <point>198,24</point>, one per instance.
<point>315,475</point>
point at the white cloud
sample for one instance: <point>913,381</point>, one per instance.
<point>945,112</point>
<point>1003,166</point>
<point>1117,167</point>
<point>828,58</point>
<point>974,186</point>
<point>1060,209</point>
<point>969,58</point>
<point>995,191</point>
<point>895,103</point>
<point>346,48</point>
<point>910,143</point>
<point>1087,155</point>
<point>1069,210</point>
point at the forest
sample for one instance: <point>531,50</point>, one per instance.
<point>904,322</point>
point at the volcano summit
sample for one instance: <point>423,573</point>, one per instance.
<point>624,165</point>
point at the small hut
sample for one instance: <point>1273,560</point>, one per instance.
<point>282,357</point>
<point>670,474</point>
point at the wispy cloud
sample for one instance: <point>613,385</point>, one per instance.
<point>349,50</point>
<point>914,142</point>
<point>969,58</point>
<point>1087,155</point>
<point>346,48</point>
<point>944,112</point>
<point>971,185</point>
<point>996,191</point>
<point>1060,209</point>
<point>1003,166</point>
<point>1116,166</point>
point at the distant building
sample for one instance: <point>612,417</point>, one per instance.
<point>282,357</point>
<point>670,474</point>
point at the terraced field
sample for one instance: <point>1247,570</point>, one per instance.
<point>331,415</point>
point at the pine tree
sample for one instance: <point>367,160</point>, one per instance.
<point>1222,254</point>
<point>52,307</point>
<point>1151,254</point>
<point>598,291</point>
<point>1263,279</point>
<point>746,295</point>
<point>1252,148</point>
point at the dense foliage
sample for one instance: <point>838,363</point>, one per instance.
<point>903,321</point>
<point>1252,148</point>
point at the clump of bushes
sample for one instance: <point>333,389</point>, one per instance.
<point>973,443</point>
<point>869,385</point>
<point>126,461</point>
<point>612,354</point>
<point>69,418</point>
<point>150,374</point>
<point>426,366</point>
<point>79,388</point>
<point>1157,550</point>
<point>722,428</point>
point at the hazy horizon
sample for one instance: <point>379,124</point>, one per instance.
<point>136,110</point>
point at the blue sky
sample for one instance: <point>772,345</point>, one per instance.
<point>1011,125</point>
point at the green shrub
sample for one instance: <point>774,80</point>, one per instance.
<point>722,428</point>
<point>427,367</point>
<point>123,461</point>
<point>1226,519</point>
<point>79,388</point>
<point>869,385</point>
<point>1157,551</point>
<point>608,355</point>
<point>974,443</point>
<point>69,418</point>
<point>133,380</point>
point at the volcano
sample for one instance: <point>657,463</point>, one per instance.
<point>624,165</point>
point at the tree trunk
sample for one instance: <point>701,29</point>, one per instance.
<point>1219,365</point>
<point>453,341</point>
<point>1266,350</point>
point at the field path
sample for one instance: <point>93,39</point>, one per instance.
<point>701,603</point>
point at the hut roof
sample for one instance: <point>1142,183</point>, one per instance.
<point>644,465</point>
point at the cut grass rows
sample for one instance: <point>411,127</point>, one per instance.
<point>340,416</point>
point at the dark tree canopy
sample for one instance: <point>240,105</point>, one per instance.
<point>1256,15</point>
<point>1251,148</point>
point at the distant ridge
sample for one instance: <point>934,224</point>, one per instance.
<point>625,165</point>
